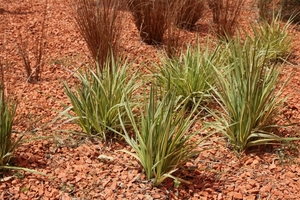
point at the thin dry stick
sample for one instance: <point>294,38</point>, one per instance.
<point>24,54</point>
<point>34,72</point>
<point>2,81</point>
<point>41,47</point>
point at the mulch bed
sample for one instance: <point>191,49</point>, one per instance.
<point>85,168</point>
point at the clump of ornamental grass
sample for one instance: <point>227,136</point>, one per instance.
<point>265,6</point>
<point>226,15</point>
<point>291,10</point>
<point>162,143</point>
<point>288,9</point>
<point>188,12</point>
<point>150,18</point>
<point>95,102</point>
<point>191,75</point>
<point>156,21</point>
<point>99,25</point>
<point>274,36</point>
<point>8,143</point>
<point>249,96</point>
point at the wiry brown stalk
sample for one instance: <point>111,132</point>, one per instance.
<point>226,14</point>
<point>264,6</point>
<point>34,72</point>
<point>188,12</point>
<point>156,22</point>
<point>172,34</point>
<point>291,10</point>
<point>99,25</point>
<point>41,47</point>
<point>150,18</point>
<point>24,54</point>
<point>2,88</point>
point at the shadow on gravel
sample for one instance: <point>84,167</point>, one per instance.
<point>3,11</point>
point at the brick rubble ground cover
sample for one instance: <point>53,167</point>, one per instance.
<point>84,168</point>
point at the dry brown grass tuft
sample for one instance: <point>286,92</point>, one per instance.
<point>150,18</point>
<point>226,14</point>
<point>291,10</point>
<point>188,12</point>
<point>288,9</point>
<point>265,10</point>
<point>158,20</point>
<point>33,56</point>
<point>99,25</point>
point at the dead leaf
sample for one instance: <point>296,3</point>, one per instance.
<point>105,157</point>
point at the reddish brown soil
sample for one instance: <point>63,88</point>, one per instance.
<point>72,162</point>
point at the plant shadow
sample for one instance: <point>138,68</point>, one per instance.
<point>3,11</point>
<point>200,181</point>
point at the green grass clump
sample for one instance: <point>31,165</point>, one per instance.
<point>8,144</point>
<point>162,143</point>
<point>249,96</point>
<point>274,36</point>
<point>96,100</point>
<point>190,76</point>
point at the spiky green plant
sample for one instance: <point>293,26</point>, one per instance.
<point>191,75</point>
<point>249,96</point>
<point>95,102</point>
<point>162,142</point>
<point>274,36</point>
<point>8,141</point>
<point>8,144</point>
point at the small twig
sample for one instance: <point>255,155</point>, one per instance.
<point>34,72</point>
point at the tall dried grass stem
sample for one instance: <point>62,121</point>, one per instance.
<point>226,15</point>
<point>34,72</point>
<point>99,25</point>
